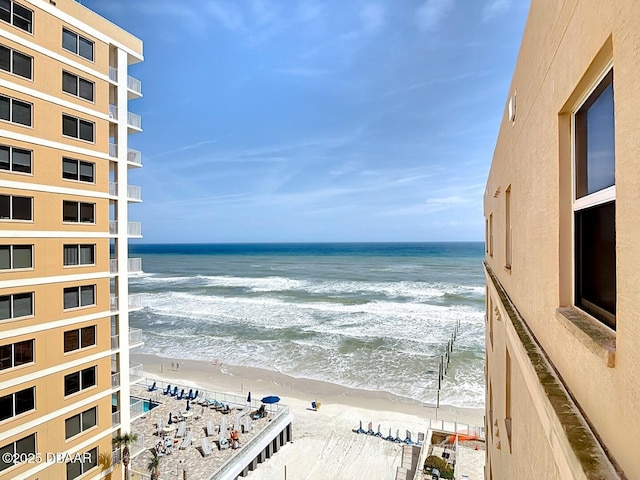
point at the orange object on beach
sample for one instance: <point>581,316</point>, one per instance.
<point>461,437</point>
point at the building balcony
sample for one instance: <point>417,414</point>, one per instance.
<point>134,265</point>
<point>134,229</point>
<point>115,419</point>
<point>136,373</point>
<point>134,303</point>
<point>115,342</point>
<point>113,150</point>
<point>115,380</point>
<point>113,112</point>
<point>113,74</point>
<point>134,193</point>
<point>135,337</point>
<point>134,87</point>
<point>134,157</point>
<point>134,122</point>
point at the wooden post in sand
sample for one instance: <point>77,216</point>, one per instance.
<point>285,472</point>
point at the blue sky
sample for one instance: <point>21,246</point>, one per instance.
<point>317,120</point>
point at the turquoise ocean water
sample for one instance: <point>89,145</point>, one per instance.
<point>370,316</point>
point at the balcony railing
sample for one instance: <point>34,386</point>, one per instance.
<point>134,120</point>
<point>134,84</point>
<point>135,302</point>
<point>113,189</point>
<point>135,372</point>
<point>137,447</point>
<point>113,112</point>
<point>134,229</point>
<point>134,265</point>
<point>115,380</point>
<point>134,192</point>
<point>115,419</point>
<point>135,337</point>
<point>113,74</point>
<point>134,156</point>
<point>113,150</point>
<point>115,342</point>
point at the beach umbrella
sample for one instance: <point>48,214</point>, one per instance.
<point>188,406</point>
<point>249,398</point>
<point>270,399</point>
<point>170,421</point>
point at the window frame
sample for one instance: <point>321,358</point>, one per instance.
<point>80,381</point>
<point>78,121</point>
<point>79,247</point>
<point>10,151</point>
<point>78,78</point>
<point>83,470</point>
<point>11,111</point>
<point>82,428</point>
<point>11,258</point>
<point>12,13</point>
<point>13,354</point>
<point>14,447</point>
<point>14,403</point>
<point>79,298</point>
<point>77,46</point>
<point>79,164</point>
<point>11,209</point>
<point>78,212</point>
<point>11,70</point>
<point>80,345</point>
<point>583,202</point>
<point>12,307</point>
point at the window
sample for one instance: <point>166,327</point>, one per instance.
<point>14,257</point>
<point>508,241</point>
<point>79,255</point>
<point>491,234</point>
<point>16,62</point>
<point>75,297</point>
<point>594,204</point>
<point>16,305</point>
<point>15,111</point>
<point>24,445</point>
<point>507,397</point>
<point>78,381</point>
<point>80,422</point>
<point>15,159</point>
<point>77,86</point>
<point>77,128</point>
<point>87,461</point>
<point>77,170</point>
<point>16,354</point>
<point>17,403</point>
<point>16,208</point>
<point>16,15</point>
<point>77,44</point>
<point>78,212</point>
<point>79,338</point>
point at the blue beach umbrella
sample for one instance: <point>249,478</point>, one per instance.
<point>249,398</point>
<point>188,406</point>
<point>170,421</point>
<point>270,399</point>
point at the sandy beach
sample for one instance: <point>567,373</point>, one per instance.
<point>324,445</point>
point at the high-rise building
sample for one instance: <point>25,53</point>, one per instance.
<point>563,250</point>
<point>64,230</point>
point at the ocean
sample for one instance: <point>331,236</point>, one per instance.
<point>374,316</point>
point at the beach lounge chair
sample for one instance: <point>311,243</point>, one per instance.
<point>168,390</point>
<point>186,442</point>
<point>182,428</point>
<point>190,395</point>
<point>211,429</point>
<point>370,429</point>
<point>397,439</point>
<point>420,438</point>
<point>195,395</point>
<point>408,440</point>
<point>175,391</point>
<point>258,414</point>
<point>360,429</point>
<point>153,387</point>
<point>206,448</point>
<point>389,437</point>
<point>181,396</point>
<point>378,434</point>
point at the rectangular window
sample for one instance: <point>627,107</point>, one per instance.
<point>17,403</point>
<point>81,422</point>
<point>79,255</point>
<point>15,159</point>
<point>78,86</point>
<point>507,395</point>
<point>79,338</point>
<point>24,445</point>
<point>78,170</point>
<point>80,467</point>
<point>508,241</point>
<point>78,212</point>
<point>17,15</point>
<point>491,234</point>
<point>594,204</point>
<point>15,111</point>
<point>75,297</point>
<point>15,257</point>
<point>78,381</point>
<point>16,354</point>
<point>16,305</point>
<point>16,208</point>
<point>15,62</point>
<point>77,44</point>
<point>77,128</point>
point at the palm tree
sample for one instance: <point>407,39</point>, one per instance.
<point>123,441</point>
<point>106,461</point>
<point>154,467</point>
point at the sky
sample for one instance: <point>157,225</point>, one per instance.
<point>317,120</point>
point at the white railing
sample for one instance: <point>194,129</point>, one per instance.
<point>135,336</point>
<point>455,427</point>
<point>134,265</point>
<point>135,301</point>
<point>113,189</point>
<point>134,120</point>
<point>134,84</point>
<point>113,74</point>
<point>134,156</point>
<point>115,380</point>
<point>113,303</point>
<point>134,192</point>
<point>115,455</point>
<point>115,419</point>
<point>135,372</point>
<point>113,265</point>
<point>113,227</point>
<point>113,150</point>
<point>113,112</point>
<point>115,342</point>
<point>137,447</point>
<point>134,229</point>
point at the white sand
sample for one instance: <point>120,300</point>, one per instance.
<point>324,445</point>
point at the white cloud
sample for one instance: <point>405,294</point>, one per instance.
<point>373,16</point>
<point>494,8</point>
<point>431,13</point>
<point>229,15</point>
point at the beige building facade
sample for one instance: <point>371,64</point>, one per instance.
<point>64,230</point>
<point>563,250</point>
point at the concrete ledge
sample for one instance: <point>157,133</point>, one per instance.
<point>595,337</point>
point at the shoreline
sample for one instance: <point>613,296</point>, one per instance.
<point>240,380</point>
